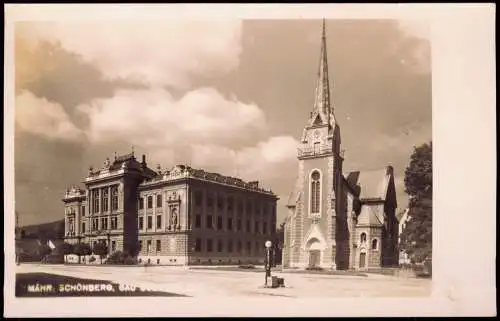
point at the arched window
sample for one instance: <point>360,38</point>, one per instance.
<point>374,244</point>
<point>315,191</point>
<point>363,237</point>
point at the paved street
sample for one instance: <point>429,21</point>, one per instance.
<point>210,283</point>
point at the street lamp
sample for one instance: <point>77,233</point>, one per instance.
<point>268,245</point>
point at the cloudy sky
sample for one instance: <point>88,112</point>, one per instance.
<point>226,96</point>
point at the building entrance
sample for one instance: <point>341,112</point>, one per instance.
<point>314,258</point>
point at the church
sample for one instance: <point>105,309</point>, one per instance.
<point>337,220</point>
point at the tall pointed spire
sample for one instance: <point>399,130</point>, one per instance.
<point>322,105</point>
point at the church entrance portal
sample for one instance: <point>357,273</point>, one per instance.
<point>314,248</point>
<point>362,260</point>
<point>314,258</point>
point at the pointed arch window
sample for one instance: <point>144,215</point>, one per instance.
<point>315,191</point>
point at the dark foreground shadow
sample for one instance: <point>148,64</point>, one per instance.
<point>52,285</point>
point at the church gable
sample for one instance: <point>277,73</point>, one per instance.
<point>314,235</point>
<point>371,215</point>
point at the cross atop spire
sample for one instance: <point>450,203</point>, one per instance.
<point>322,109</point>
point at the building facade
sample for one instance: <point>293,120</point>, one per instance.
<point>403,220</point>
<point>336,219</point>
<point>181,216</point>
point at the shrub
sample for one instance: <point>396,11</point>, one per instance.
<point>81,249</point>
<point>129,260</point>
<point>246,266</point>
<point>121,258</point>
<point>314,268</point>
<point>101,249</point>
<point>54,259</point>
<point>92,259</point>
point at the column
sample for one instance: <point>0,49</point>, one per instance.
<point>166,211</point>
<point>182,219</point>
<point>90,203</point>
<point>110,198</point>
<point>244,218</point>
<point>99,197</point>
<point>78,218</point>
<point>66,224</point>
<point>189,208</point>
<point>215,215</point>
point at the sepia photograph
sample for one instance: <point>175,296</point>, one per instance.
<point>201,158</point>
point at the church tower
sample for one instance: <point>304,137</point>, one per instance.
<point>319,177</point>
<point>337,220</point>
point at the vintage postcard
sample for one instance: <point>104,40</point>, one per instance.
<point>184,158</point>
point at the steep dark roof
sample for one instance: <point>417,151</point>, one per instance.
<point>369,184</point>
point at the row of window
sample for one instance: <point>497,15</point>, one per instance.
<point>229,203</point>
<point>113,245</point>
<point>230,246</point>
<point>103,224</point>
<point>150,222</point>
<point>72,210</point>
<point>210,246</point>
<point>159,201</point>
<point>101,199</point>
<point>149,243</point>
<point>209,224</point>
<point>210,203</point>
<point>230,226</point>
<point>374,244</point>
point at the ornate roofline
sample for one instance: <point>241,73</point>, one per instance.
<point>182,172</point>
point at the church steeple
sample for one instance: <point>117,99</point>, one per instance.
<point>322,109</point>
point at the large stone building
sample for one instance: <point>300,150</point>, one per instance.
<point>337,220</point>
<point>179,216</point>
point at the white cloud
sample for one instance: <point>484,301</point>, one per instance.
<point>267,161</point>
<point>273,162</point>
<point>42,117</point>
<point>161,53</point>
<point>154,119</point>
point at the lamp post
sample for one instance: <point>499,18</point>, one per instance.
<point>268,245</point>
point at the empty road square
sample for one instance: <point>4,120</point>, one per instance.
<point>212,282</point>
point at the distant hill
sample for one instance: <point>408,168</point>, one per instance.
<point>44,231</point>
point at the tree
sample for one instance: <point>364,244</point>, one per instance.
<point>416,237</point>
<point>278,239</point>
<point>82,249</point>
<point>101,249</point>
<point>44,250</point>
<point>134,249</point>
<point>67,249</point>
